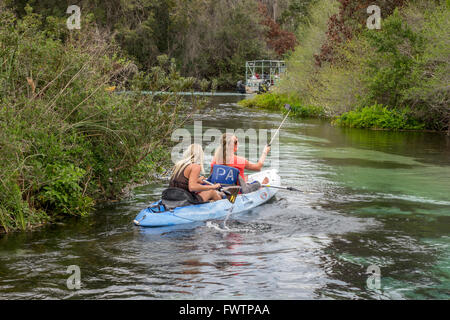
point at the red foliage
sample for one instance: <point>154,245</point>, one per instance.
<point>343,25</point>
<point>277,39</point>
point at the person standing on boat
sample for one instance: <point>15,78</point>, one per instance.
<point>186,175</point>
<point>226,155</point>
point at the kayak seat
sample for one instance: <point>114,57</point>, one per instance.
<point>225,175</point>
<point>176,197</point>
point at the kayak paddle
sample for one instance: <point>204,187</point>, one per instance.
<point>231,196</point>
<point>287,107</point>
<point>284,188</point>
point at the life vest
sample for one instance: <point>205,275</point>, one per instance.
<point>224,175</point>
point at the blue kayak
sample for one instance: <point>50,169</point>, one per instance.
<point>211,210</point>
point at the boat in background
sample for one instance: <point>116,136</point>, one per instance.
<point>261,76</point>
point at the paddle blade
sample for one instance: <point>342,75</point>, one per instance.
<point>287,107</point>
<point>232,193</point>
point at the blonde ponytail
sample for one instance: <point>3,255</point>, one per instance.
<point>193,154</point>
<point>225,151</point>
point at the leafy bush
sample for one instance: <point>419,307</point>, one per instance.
<point>430,95</point>
<point>410,64</point>
<point>66,142</point>
<point>63,194</point>
<point>391,70</point>
<point>308,111</point>
<point>379,117</point>
<point>276,101</point>
<point>270,101</point>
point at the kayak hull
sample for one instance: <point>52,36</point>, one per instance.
<point>211,210</point>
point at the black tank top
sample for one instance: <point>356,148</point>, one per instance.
<point>180,181</point>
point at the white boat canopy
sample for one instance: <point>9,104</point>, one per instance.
<point>264,70</point>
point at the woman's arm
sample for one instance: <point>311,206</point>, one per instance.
<point>194,185</point>
<point>200,179</point>
<point>258,166</point>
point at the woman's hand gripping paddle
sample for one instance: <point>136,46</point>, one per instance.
<point>231,192</point>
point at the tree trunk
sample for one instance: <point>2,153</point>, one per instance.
<point>275,10</point>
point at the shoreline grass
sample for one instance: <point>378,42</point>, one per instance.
<point>276,101</point>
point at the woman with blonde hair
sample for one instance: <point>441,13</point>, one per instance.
<point>186,175</point>
<point>226,155</point>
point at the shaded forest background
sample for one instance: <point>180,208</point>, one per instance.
<point>209,39</point>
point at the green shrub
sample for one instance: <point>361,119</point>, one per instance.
<point>379,117</point>
<point>391,70</point>
<point>276,101</point>
<point>430,95</point>
<point>66,143</point>
<point>270,101</point>
<point>63,193</point>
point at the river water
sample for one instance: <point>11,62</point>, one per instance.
<point>374,198</point>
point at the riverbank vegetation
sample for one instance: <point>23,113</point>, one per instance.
<point>67,143</point>
<point>379,117</point>
<point>393,78</point>
<point>273,101</point>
